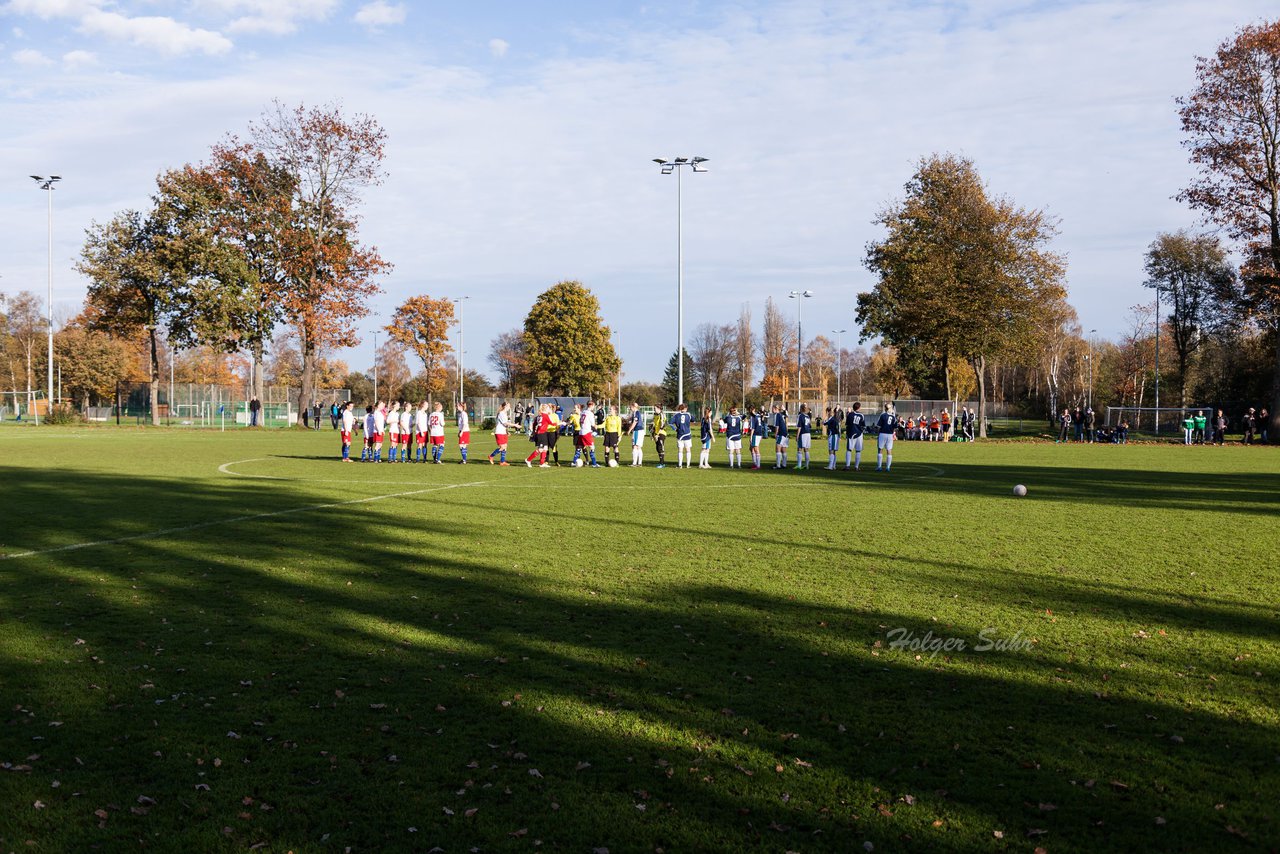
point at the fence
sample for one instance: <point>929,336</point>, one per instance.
<point>211,405</point>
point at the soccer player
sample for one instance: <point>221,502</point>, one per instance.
<point>541,422</point>
<point>574,428</point>
<point>636,419</point>
<point>348,421</point>
<point>379,425</point>
<point>706,434</point>
<point>733,437</point>
<point>886,425</point>
<point>612,435</point>
<point>804,436</point>
<point>464,431</point>
<point>757,427</point>
<point>779,437</point>
<point>435,430</point>
<point>832,425</point>
<point>587,433</point>
<point>421,427</point>
<point>393,430</point>
<point>406,430</point>
<point>945,418</point>
<point>682,424</point>
<point>553,433</point>
<point>366,453</point>
<point>501,429</point>
<point>658,429</point>
<point>855,424</point>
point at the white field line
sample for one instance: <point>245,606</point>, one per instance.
<point>234,519</point>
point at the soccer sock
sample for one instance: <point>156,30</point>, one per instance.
<point>463,449</point>
<point>888,461</point>
<point>346,452</point>
<point>879,457</point>
<point>857,459</point>
<point>502,457</point>
<point>593,457</point>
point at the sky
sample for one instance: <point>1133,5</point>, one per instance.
<point>521,138</point>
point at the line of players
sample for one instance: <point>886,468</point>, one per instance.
<point>402,427</point>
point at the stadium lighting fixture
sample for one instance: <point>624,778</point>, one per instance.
<point>669,166</point>
<point>799,297</point>
<point>459,301</point>
<point>46,184</point>
<point>839,360</point>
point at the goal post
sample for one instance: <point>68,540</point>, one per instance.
<point>1153,419</point>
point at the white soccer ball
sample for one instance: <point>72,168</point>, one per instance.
<point>577,464</point>
<point>1020,490</point>
<point>613,464</point>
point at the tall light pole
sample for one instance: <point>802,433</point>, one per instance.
<point>799,297</point>
<point>461,341</point>
<point>375,367</point>
<point>839,361</point>
<point>668,166</point>
<point>46,184</point>
<point>1090,364</point>
<point>1157,412</point>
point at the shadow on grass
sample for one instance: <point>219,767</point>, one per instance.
<point>339,676</point>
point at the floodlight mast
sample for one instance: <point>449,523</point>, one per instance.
<point>799,297</point>
<point>46,184</point>
<point>668,166</point>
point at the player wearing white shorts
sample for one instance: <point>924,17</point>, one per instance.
<point>804,436</point>
<point>886,425</point>
<point>779,437</point>
<point>733,437</point>
<point>758,429</point>
<point>682,423</point>
<point>855,424</point>
<point>832,426</point>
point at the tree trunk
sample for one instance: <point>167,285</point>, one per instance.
<point>255,377</point>
<point>1273,428</point>
<point>306,383</point>
<point>153,389</point>
<point>980,370</point>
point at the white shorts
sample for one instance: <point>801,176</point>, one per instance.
<point>803,440</point>
<point>854,443</point>
<point>884,441</point>
<point>684,443</point>
<point>782,441</point>
<point>733,444</point>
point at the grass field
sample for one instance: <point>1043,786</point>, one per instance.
<point>230,641</point>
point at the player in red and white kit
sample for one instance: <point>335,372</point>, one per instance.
<point>348,424</point>
<point>406,430</point>
<point>393,430</point>
<point>435,430</point>
<point>420,429</point>
<point>379,427</point>
<point>464,431</point>
<point>501,425</point>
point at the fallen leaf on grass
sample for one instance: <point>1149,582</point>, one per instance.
<point>38,805</point>
<point>524,831</point>
<point>470,812</point>
<point>534,772</point>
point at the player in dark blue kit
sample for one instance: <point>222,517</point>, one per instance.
<point>707,434</point>
<point>682,424</point>
<point>832,425</point>
<point>779,437</point>
<point>854,426</point>
<point>886,426</point>
<point>804,436</point>
<point>733,437</point>
<point>757,427</point>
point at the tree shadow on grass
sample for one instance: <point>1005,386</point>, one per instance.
<point>364,670</point>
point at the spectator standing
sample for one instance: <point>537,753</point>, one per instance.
<point>1263,418</point>
<point>1219,428</point>
<point>1247,426</point>
<point>1200,422</point>
<point>1090,424</point>
<point>255,409</point>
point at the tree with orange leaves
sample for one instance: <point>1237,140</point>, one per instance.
<point>421,324</point>
<point>330,275</point>
<point>1232,126</point>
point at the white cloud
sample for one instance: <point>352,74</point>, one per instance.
<point>78,59</point>
<point>380,14</point>
<point>498,47</point>
<point>19,33</point>
<point>165,35</point>
<point>272,17</point>
<point>47,9</point>
<point>31,58</point>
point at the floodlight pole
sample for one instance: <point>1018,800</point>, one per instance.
<point>375,367</point>
<point>839,361</point>
<point>799,297</point>
<point>669,166</point>
<point>1157,412</point>
<point>461,340</point>
<point>46,184</point>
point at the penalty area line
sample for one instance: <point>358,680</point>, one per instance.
<point>234,519</point>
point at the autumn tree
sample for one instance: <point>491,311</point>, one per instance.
<point>91,363</point>
<point>25,327</point>
<point>777,349</point>
<point>421,326</point>
<point>1231,123</point>
<point>711,354</point>
<point>819,365</point>
<point>567,345</point>
<point>394,375</point>
<point>330,159</point>
<point>1193,276</point>
<point>960,271</point>
<point>133,283</point>
<point>744,352</point>
<point>507,358</point>
<point>891,380</point>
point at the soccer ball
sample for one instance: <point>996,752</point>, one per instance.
<point>1020,490</point>
<point>577,464</point>
<point>613,464</point>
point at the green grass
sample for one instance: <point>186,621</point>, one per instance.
<point>634,659</point>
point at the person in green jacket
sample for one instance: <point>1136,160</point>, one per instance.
<point>1188,427</point>
<point>1199,422</point>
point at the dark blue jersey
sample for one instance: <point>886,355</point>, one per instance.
<point>780,425</point>
<point>854,425</point>
<point>733,427</point>
<point>887,423</point>
<point>682,423</point>
<point>832,425</point>
<point>757,425</point>
<point>802,423</point>
<point>705,426</point>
